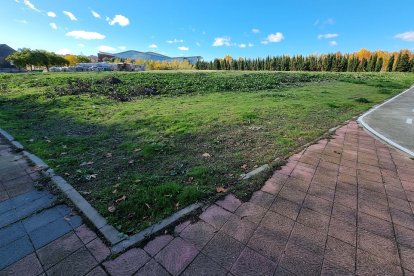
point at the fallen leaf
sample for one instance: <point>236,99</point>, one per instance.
<point>67,174</point>
<point>149,207</point>
<point>206,154</point>
<point>111,209</point>
<point>63,153</point>
<point>48,141</point>
<point>131,162</point>
<point>136,150</point>
<point>190,180</point>
<point>31,140</point>
<point>221,190</point>
<point>244,167</point>
<point>64,146</point>
<point>115,191</point>
<point>109,155</point>
<point>177,205</point>
<point>122,198</point>
<point>92,176</point>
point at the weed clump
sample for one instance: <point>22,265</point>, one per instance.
<point>362,100</point>
<point>111,87</point>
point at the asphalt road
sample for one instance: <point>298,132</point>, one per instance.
<point>394,120</point>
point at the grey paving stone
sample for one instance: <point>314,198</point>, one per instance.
<point>11,233</point>
<point>5,206</point>
<point>49,232</point>
<point>74,221</point>
<point>15,251</point>
<point>8,218</point>
<point>40,219</point>
<point>34,206</point>
<point>28,197</point>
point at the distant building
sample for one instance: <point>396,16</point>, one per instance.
<point>134,55</point>
<point>5,51</point>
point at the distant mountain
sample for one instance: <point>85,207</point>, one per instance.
<point>5,50</point>
<point>134,55</point>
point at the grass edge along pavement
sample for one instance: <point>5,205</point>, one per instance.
<point>24,136</point>
<point>117,240</point>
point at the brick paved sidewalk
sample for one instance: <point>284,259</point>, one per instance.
<point>341,207</point>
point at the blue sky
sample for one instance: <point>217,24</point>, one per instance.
<point>210,28</point>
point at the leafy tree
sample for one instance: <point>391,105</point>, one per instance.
<point>26,57</point>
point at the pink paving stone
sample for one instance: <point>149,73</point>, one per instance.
<point>85,234</point>
<point>180,227</point>
<point>27,266</point>
<point>98,249</point>
<point>152,268</point>
<point>177,255</point>
<point>78,263</point>
<point>215,216</point>
<point>59,249</point>
<point>251,212</point>
<point>97,271</point>
<point>128,263</point>
<point>252,263</point>
<point>155,246</point>
<point>199,234</point>
<point>230,203</point>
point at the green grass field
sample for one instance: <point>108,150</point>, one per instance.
<point>167,139</point>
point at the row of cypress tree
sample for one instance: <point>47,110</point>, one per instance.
<point>398,62</point>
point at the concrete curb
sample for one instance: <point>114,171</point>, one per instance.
<point>379,135</point>
<point>117,240</point>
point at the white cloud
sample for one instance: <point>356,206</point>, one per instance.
<point>63,52</point>
<point>104,48</point>
<point>85,35</point>
<point>250,45</point>
<point>81,45</point>
<point>327,36</point>
<point>255,31</point>
<point>183,48</point>
<point>51,14</point>
<point>222,41</point>
<point>118,19</point>
<point>70,15</point>
<point>123,48</point>
<point>22,21</point>
<point>175,41</point>
<point>333,43</point>
<point>198,44</point>
<point>273,38</point>
<point>324,23</point>
<point>242,45</point>
<point>153,46</point>
<point>407,36</point>
<point>53,26</point>
<point>95,14</point>
<point>28,4</point>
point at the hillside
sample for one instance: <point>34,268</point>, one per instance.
<point>5,50</point>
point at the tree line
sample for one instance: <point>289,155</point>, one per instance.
<point>362,61</point>
<point>27,58</point>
